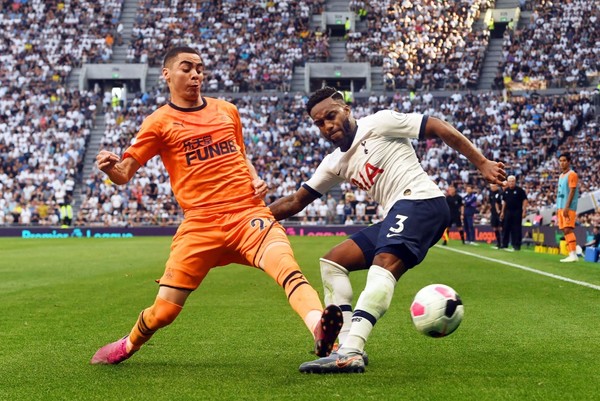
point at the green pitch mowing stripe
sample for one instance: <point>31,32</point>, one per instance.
<point>524,336</point>
<point>529,269</point>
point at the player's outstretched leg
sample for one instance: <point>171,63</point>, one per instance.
<point>112,354</point>
<point>335,363</point>
<point>328,329</point>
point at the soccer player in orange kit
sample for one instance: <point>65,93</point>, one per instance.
<point>199,140</point>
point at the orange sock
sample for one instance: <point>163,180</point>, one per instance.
<point>160,314</point>
<point>571,242</point>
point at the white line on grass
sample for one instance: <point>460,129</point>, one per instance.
<point>529,269</point>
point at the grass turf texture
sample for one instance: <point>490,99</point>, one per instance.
<point>524,336</point>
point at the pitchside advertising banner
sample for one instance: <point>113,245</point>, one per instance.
<point>545,235</point>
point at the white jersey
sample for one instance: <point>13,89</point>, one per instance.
<point>381,161</point>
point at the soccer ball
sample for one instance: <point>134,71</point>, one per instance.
<point>437,310</point>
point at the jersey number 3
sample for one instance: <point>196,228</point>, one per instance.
<point>395,231</point>
<point>367,177</point>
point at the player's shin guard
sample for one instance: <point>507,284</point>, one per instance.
<point>338,291</point>
<point>371,306</point>
<point>279,263</point>
<point>571,243</point>
<point>160,314</point>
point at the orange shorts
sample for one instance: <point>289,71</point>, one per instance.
<point>563,222</point>
<point>204,241</point>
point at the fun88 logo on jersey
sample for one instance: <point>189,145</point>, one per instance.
<point>200,149</point>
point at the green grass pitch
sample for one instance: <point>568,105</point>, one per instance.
<point>525,336</point>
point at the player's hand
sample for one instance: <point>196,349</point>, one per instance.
<point>565,213</point>
<point>494,172</point>
<point>260,188</point>
<point>106,160</point>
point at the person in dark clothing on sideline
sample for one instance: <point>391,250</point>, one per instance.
<point>514,205</point>
<point>455,203</point>
<point>496,208</point>
<point>470,210</point>
<point>595,241</point>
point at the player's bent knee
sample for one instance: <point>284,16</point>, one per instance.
<point>331,267</point>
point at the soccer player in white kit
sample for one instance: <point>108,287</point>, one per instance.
<point>375,154</point>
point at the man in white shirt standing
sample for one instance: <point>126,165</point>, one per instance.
<point>375,154</point>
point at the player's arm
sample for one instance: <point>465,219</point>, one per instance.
<point>498,206</point>
<point>119,171</point>
<point>502,210</point>
<point>260,186</point>
<point>569,200</point>
<point>572,187</point>
<point>492,171</point>
<point>289,205</point>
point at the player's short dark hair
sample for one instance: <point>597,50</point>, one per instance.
<point>566,156</point>
<point>176,51</point>
<point>322,94</point>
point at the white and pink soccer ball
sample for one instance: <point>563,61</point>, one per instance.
<point>437,310</point>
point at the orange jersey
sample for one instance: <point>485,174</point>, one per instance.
<point>203,151</point>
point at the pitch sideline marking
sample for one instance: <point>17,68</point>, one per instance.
<point>529,269</point>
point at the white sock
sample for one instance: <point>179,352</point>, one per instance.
<point>372,304</point>
<point>338,291</point>
<point>573,254</point>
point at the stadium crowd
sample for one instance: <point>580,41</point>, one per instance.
<point>422,46</point>
<point>246,48</point>
<point>526,132</point>
<point>44,126</point>
<point>42,41</point>
<point>557,47</point>
<point>42,142</point>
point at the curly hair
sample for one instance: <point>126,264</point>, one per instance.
<point>323,94</point>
